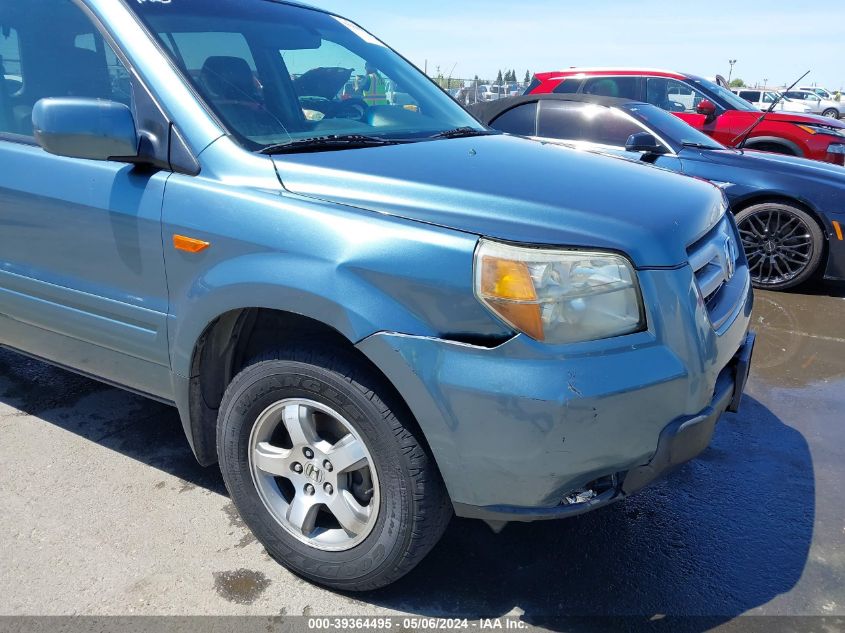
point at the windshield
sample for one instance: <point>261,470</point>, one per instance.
<point>276,73</point>
<point>734,101</point>
<point>671,128</point>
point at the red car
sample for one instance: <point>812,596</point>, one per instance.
<point>708,107</point>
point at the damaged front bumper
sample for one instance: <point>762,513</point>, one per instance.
<point>525,432</point>
<point>681,441</point>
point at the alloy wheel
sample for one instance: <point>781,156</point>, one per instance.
<point>778,245</point>
<point>314,474</point>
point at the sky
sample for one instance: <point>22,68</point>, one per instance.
<point>775,40</point>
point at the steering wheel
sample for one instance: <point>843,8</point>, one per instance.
<point>354,108</point>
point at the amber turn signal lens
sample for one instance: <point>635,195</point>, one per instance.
<point>525,317</point>
<point>506,279</point>
<point>505,284</point>
<point>189,244</point>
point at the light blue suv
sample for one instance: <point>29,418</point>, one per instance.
<point>369,309</point>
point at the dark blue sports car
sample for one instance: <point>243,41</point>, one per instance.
<point>790,211</point>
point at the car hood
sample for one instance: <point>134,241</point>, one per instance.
<point>794,166</point>
<point>781,116</point>
<point>517,190</point>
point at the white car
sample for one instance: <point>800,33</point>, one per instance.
<point>825,107</point>
<point>496,91</point>
<point>763,100</point>
<point>824,93</point>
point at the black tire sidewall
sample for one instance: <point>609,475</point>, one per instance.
<point>816,235</point>
<point>266,383</point>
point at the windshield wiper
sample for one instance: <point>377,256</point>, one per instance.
<point>462,132</point>
<point>699,145</point>
<point>747,134</point>
<point>328,143</point>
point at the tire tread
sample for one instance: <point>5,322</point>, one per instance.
<point>432,510</point>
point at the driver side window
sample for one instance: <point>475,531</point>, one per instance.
<point>70,59</point>
<point>672,95</point>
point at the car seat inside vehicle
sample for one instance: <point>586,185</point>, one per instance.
<point>230,78</point>
<point>231,87</point>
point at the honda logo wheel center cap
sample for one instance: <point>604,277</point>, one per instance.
<point>314,474</point>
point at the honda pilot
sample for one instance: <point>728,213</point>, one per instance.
<point>371,311</point>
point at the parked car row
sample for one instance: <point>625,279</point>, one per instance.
<point>765,99</point>
<point>788,210</point>
<point>826,107</point>
<point>374,313</point>
<point>802,100</point>
<point>708,107</point>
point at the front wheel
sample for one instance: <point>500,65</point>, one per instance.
<point>331,479</point>
<point>783,244</point>
<point>831,113</point>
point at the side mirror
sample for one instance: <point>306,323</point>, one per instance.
<point>85,128</point>
<point>707,108</point>
<point>644,142</point>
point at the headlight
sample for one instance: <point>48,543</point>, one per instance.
<point>559,296</point>
<point>818,128</point>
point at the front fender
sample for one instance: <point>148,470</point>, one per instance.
<point>356,271</point>
<point>334,296</point>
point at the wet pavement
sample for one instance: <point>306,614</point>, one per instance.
<point>106,512</point>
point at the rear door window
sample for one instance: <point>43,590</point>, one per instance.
<point>620,87</point>
<point>69,59</point>
<point>568,86</point>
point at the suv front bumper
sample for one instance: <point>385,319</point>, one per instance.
<point>518,429</point>
<point>681,441</point>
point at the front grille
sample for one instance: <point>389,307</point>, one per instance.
<point>716,260</point>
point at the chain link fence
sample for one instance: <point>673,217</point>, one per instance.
<point>470,91</point>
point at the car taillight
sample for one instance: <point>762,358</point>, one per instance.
<point>838,152</point>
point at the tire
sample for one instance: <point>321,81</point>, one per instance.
<point>401,508</point>
<point>831,113</point>
<point>783,243</point>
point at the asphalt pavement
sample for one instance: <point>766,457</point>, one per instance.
<point>105,511</point>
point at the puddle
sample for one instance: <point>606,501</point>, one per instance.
<point>242,586</point>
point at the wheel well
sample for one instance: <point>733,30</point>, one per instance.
<point>750,202</point>
<point>774,145</point>
<point>234,338</point>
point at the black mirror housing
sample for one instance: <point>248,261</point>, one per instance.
<point>644,142</point>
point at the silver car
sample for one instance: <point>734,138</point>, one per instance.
<point>825,107</point>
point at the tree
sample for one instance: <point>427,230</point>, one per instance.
<point>499,78</point>
<point>737,83</point>
<point>527,77</point>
